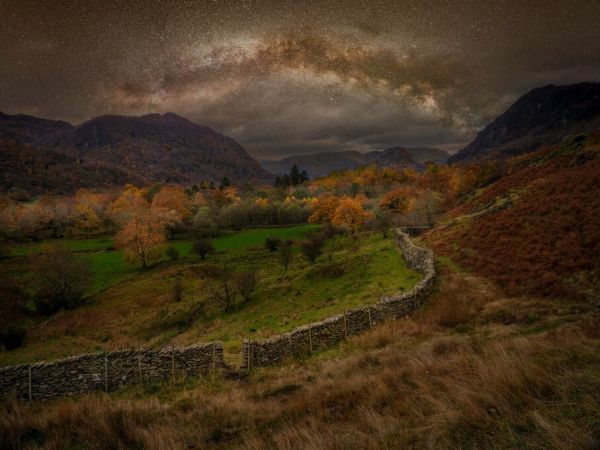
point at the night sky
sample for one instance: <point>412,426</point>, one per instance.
<point>293,77</point>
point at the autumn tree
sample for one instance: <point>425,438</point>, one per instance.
<point>131,202</point>
<point>350,214</point>
<point>324,209</point>
<point>397,201</point>
<point>59,279</point>
<point>88,213</point>
<point>142,238</point>
<point>172,206</point>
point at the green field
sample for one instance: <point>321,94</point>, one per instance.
<point>129,307</point>
<point>109,266</point>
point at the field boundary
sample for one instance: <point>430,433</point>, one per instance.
<point>108,371</point>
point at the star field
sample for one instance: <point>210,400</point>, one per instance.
<point>295,76</point>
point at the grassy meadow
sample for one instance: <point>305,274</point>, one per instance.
<point>129,307</point>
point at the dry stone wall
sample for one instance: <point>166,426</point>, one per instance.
<point>109,371</point>
<point>331,331</point>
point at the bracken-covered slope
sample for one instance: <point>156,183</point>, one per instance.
<point>535,231</point>
<point>544,116</point>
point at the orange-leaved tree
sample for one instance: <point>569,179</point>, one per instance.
<point>350,214</point>
<point>324,208</point>
<point>142,238</point>
<point>398,201</point>
<point>131,201</point>
<point>172,206</point>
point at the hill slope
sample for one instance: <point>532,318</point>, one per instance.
<point>151,148</point>
<point>543,116</point>
<point>536,231</point>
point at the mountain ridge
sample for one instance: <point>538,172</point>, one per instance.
<point>152,148</point>
<point>543,116</point>
<point>322,163</point>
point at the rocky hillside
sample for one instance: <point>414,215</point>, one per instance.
<point>321,164</point>
<point>154,147</point>
<point>543,116</point>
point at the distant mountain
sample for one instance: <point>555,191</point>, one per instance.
<point>151,148</point>
<point>29,129</point>
<point>321,164</point>
<point>543,116</point>
<point>316,164</point>
<point>422,155</point>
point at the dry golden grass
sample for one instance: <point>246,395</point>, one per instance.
<point>412,383</point>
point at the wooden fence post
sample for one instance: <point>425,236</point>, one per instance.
<point>310,338</point>
<point>370,322</point>
<point>248,355</point>
<point>106,373</point>
<point>29,387</point>
<point>213,356</point>
<point>172,361</point>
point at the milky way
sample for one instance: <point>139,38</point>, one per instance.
<point>293,76</point>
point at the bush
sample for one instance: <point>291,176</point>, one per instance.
<point>172,252</point>
<point>312,248</point>
<point>177,289</point>
<point>203,247</point>
<point>60,280</point>
<point>245,283</point>
<point>285,253</point>
<point>224,289</point>
<point>12,318</point>
<point>12,337</point>
<point>272,243</point>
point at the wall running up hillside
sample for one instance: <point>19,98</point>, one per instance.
<point>318,336</point>
<point>109,371</point>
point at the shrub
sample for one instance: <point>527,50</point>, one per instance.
<point>60,279</point>
<point>177,289</point>
<point>272,243</point>
<point>224,286</point>
<point>203,247</point>
<point>12,318</point>
<point>172,252</point>
<point>245,283</point>
<point>12,336</point>
<point>312,248</point>
<point>285,253</point>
